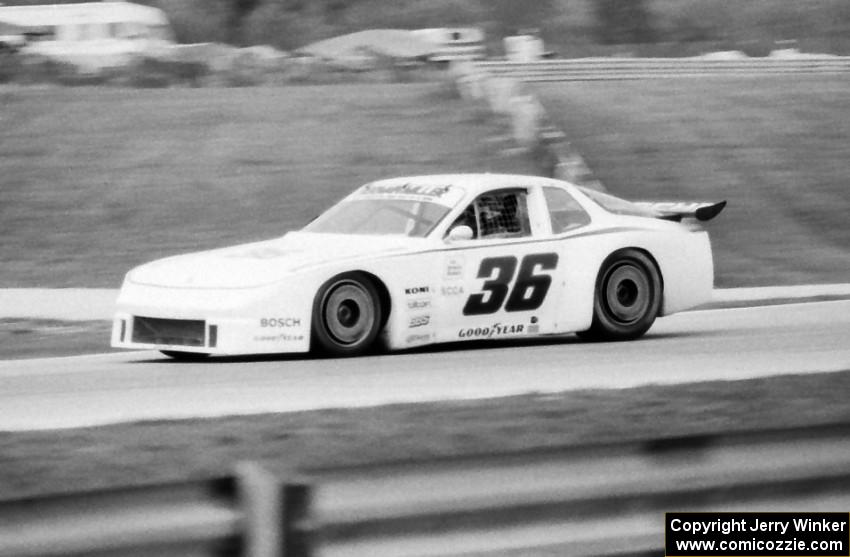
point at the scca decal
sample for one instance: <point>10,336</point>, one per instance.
<point>528,292</point>
<point>451,290</point>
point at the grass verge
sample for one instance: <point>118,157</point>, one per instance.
<point>775,147</point>
<point>95,181</point>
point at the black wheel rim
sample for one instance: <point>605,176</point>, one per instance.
<point>348,313</point>
<point>627,293</point>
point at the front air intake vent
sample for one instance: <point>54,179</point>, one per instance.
<point>177,332</point>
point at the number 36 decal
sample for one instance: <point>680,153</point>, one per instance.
<point>528,292</point>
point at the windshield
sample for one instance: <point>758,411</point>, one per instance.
<point>401,217</point>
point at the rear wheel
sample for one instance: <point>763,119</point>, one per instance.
<point>184,356</point>
<point>627,297</point>
<point>346,315</point>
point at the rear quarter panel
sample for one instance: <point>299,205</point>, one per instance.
<point>683,258</point>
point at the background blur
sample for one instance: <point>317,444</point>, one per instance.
<point>570,27</point>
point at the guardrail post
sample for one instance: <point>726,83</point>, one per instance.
<point>276,515</point>
<point>297,523</point>
<point>262,507</point>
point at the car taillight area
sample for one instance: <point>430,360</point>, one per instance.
<point>173,332</point>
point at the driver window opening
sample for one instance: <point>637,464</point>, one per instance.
<point>501,214</point>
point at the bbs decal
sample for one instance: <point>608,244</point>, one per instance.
<point>528,291</point>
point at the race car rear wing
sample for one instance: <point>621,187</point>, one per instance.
<point>676,211</point>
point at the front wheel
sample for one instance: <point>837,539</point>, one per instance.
<point>346,315</point>
<point>627,297</point>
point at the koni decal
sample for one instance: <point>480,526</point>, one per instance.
<point>417,290</point>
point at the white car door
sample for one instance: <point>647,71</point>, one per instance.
<point>504,282</point>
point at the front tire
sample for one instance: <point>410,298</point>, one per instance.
<point>346,315</point>
<point>627,297</point>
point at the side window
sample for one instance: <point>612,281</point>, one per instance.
<point>564,211</point>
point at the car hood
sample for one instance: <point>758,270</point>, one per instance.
<point>260,263</point>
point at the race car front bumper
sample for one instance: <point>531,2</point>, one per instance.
<point>224,322</point>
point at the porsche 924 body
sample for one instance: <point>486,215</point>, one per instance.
<point>412,261</point>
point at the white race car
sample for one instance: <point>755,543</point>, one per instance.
<point>413,261</point>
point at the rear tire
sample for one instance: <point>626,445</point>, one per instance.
<point>185,356</point>
<point>347,315</point>
<point>627,297</point>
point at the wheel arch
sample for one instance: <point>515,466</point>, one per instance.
<point>383,294</point>
<point>606,323</point>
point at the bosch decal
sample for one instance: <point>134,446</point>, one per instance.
<point>280,322</point>
<point>451,290</point>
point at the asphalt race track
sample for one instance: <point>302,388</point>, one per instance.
<point>694,346</point>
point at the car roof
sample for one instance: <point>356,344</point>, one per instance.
<point>475,183</point>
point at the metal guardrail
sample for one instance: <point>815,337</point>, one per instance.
<point>585,69</point>
<point>587,500</point>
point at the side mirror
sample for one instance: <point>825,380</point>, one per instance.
<point>460,233</point>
